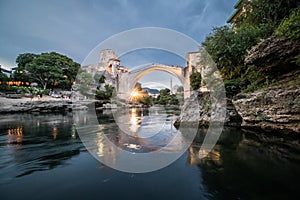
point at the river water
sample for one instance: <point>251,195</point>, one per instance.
<point>43,157</point>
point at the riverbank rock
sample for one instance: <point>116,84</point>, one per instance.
<point>12,106</point>
<point>275,108</point>
<point>199,108</point>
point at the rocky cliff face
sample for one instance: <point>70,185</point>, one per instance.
<point>274,55</point>
<point>277,107</point>
<point>274,108</point>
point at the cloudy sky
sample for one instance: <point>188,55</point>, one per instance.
<point>75,27</point>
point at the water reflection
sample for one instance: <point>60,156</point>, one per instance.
<point>126,128</point>
<point>30,143</point>
<point>242,165</point>
<point>54,132</point>
<point>122,137</point>
<point>248,166</point>
<point>15,135</point>
<point>135,120</point>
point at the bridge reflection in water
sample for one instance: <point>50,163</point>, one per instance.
<point>133,130</point>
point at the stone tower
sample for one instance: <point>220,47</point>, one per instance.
<point>107,54</point>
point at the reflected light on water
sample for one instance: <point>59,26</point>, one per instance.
<point>197,155</point>
<point>134,120</point>
<point>54,132</point>
<point>15,135</point>
<point>73,132</point>
<point>108,153</point>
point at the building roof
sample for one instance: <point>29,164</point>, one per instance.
<point>230,20</point>
<point>114,59</point>
<point>5,68</point>
<point>237,5</point>
<point>238,8</point>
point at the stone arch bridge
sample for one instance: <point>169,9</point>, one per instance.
<point>127,81</point>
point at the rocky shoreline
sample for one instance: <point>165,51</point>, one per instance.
<point>44,105</point>
<point>270,109</point>
<point>274,109</point>
<point>199,109</point>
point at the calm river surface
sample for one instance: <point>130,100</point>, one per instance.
<point>42,157</point>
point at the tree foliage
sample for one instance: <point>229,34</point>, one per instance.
<point>195,80</point>
<point>105,94</point>
<point>165,98</point>
<point>164,92</point>
<point>23,59</point>
<point>289,28</point>
<point>99,78</point>
<point>180,89</point>
<point>228,48</point>
<point>3,77</point>
<point>84,78</point>
<point>47,69</point>
<point>259,12</point>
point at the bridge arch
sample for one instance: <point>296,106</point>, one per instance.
<point>127,81</point>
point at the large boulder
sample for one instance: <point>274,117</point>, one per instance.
<point>199,108</point>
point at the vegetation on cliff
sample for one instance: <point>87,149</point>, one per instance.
<point>263,19</point>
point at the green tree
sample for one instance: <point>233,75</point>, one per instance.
<point>146,100</point>
<point>109,90</point>
<point>165,98</point>
<point>195,80</point>
<point>258,12</point>
<point>85,78</point>
<point>228,48</point>
<point>22,60</point>
<point>47,69</point>
<point>164,92</point>
<point>3,79</point>
<point>43,72</point>
<point>289,29</point>
<point>180,89</point>
<point>99,78</point>
<point>105,94</point>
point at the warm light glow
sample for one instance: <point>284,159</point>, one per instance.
<point>134,122</point>
<point>15,83</point>
<point>135,94</point>
<point>54,132</point>
<point>15,135</point>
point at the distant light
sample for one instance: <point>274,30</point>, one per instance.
<point>134,94</point>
